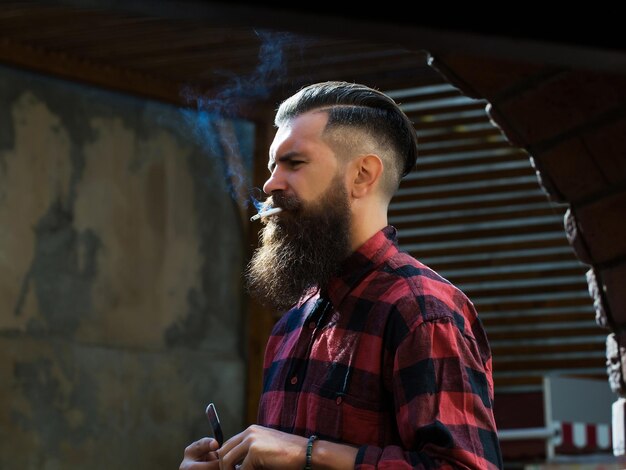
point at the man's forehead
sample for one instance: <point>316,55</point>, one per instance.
<point>297,132</point>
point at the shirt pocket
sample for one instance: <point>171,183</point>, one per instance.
<point>364,421</point>
<point>338,416</point>
<point>324,413</point>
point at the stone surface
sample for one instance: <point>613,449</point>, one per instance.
<point>613,282</point>
<point>120,277</point>
<point>615,349</point>
<point>596,292</point>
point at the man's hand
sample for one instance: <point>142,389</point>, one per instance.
<point>201,455</point>
<point>261,448</point>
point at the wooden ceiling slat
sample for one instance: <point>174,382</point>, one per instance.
<point>507,261</point>
<point>423,125</point>
<point>437,193</point>
<point>529,274</point>
<point>461,134</point>
<point>64,27</point>
<point>485,232</point>
<point>380,77</point>
<point>513,290</point>
<point>363,55</point>
<point>463,178</point>
<point>537,319</point>
<point>433,95</point>
<point>528,304</point>
<point>219,57</point>
<point>390,79</point>
<point>168,42</point>
<point>487,247</point>
<point>494,203</point>
<point>476,158</point>
<point>451,109</point>
<point>84,71</point>
<point>81,38</point>
<point>196,68</point>
<point>466,147</point>
<point>473,218</point>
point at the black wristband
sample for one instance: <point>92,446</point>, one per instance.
<point>309,451</point>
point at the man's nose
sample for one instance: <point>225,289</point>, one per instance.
<point>276,182</point>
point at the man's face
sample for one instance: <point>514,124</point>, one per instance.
<point>303,246</point>
<point>301,162</point>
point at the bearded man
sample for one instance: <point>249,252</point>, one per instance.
<point>377,362</point>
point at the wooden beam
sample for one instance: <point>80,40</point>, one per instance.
<point>431,31</point>
<point>72,68</point>
<point>104,75</point>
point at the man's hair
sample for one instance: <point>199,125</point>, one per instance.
<point>366,109</point>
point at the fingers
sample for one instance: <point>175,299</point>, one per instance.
<point>233,451</point>
<point>201,447</point>
<point>232,442</point>
<point>234,458</point>
<point>201,455</point>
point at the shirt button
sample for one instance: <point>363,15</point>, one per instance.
<point>338,400</point>
<point>294,380</point>
<point>311,325</point>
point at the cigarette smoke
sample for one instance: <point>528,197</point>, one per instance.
<point>211,118</point>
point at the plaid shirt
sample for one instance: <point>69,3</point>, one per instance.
<point>393,359</point>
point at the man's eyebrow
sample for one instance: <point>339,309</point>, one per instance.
<point>283,158</point>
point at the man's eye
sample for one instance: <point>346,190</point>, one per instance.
<point>294,163</point>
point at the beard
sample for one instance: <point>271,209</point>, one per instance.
<point>301,248</point>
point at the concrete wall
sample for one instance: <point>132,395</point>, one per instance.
<point>121,307</point>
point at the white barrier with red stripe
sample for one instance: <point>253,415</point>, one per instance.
<point>574,438</point>
<point>580,411</point>
<point>578,417</point>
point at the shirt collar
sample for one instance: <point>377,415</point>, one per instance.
<point>370,255</point>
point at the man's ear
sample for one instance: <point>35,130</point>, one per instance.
<point>368,170</point>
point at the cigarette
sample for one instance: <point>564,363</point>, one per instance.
<point>266,213</point>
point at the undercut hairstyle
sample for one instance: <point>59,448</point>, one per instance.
<point>377,116</point>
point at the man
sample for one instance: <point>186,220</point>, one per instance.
<point>379,362</point>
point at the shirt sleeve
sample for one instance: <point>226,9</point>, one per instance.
<point>443,394</point>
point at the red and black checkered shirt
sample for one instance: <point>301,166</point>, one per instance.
<point>391,358</point>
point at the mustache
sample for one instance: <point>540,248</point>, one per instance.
<point>284,201</point>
